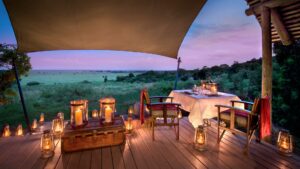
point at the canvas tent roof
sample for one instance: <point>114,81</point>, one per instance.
<point>150,26</point>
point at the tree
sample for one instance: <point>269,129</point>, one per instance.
<point>8,55</point>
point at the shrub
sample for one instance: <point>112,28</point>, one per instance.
<point>33,83</point>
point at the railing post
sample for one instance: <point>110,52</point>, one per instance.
<point>177,73</point>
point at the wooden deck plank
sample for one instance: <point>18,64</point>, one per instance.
<point>52,162</point>
<point>117,157</point>
<point>137,154</point>
<point>63,161</point>
<point>85,160</point>
<point>128,157</point>
<point>210,158</point>
<point>230,151</point>
<point>74,160</point>
<point>258,151</point>
<point>107,162</point>
<point>159,158</point>
<point>96,162</point>
<point>159,146</point>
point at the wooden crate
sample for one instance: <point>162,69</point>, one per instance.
<point>94,135</point>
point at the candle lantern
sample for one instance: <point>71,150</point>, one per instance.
<point>107,109</point>
<point>179,115</point>
<point>95,114</point>
<point>42,118</point>
<point>200,138</point>
<point>203,84</point>
<point>19,130</point>
<point>86,108</point>
<point>129,126</point>
<point>130,111</point>
<point>78,116</point>
<point>6,131</point>
<point>60,115</point>
<point>214,88</point>
<point>57,126</point>
<point>47,144</point>
<point>285,143</point>
<point>34,125</point>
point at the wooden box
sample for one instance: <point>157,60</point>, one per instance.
<point>94,135</point>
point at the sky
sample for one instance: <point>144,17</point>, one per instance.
<point>221,34</point>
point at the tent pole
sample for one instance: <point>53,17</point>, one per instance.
<point>177,73</point>
<point>21,96</point>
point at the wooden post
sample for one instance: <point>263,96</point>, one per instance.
<point>21,96</point>
<point>177,73</point>
<point>280,28</point>
<point>266,88</point>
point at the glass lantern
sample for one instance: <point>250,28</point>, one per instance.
<point>60,115</point>
<point>86,108</point>
<point>200,138</point>
<point>57,126</point>
<point>95,114</point>
<point>34,125</point>
<point>42,119</point>
<point>47,144</point>
<point>107,109</point>
<point>214,88</point>
<point>19,130</point>
<point>6,131</point>
<point>180,115</point>
<point>285,143</point>
<point>78,114</point>
<point>203,84</point>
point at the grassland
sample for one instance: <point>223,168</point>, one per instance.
<point>55,89</point>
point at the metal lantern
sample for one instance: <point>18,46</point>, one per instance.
<point>200,138</point>
<point>214,88</point>
<point>60,115</point>
<point>95,114</point>
<point>107,109</point>
<point>179,115</point>
<point>6,131</point>
<point>78,114</point>
<point>19,130</point>
<point>285,142</point>
<point>42,119</point>
<point>129,126</point>
<point>47,144</point>
<point>34,125</point>
<point>57,126</point>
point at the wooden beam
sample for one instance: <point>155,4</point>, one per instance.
<point>280,28</point>
<point>266,88</point>
<point>256,9</point>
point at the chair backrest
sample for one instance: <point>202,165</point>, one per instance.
<point>146,95</point>
<point>255,110</point>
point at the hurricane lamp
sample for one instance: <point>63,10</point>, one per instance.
<point>107,109</point>
<point>19,130</point>
<point>47,144</point>
<point>200,138</point>
<point>42,119</point>
<point>285,143</point>
<point>57,126</point>
<point>78,114</point>
<point>6,131</point>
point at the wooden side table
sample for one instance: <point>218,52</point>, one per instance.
<point>94,135</point>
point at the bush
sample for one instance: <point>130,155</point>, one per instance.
<point>34,83</point>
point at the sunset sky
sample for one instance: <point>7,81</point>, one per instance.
<point>221,34</point>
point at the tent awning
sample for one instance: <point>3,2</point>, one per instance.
<point>150,26</point>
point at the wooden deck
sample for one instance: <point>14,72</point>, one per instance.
<point>140,151</point>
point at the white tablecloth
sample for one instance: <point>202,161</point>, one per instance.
<point>201,106</point>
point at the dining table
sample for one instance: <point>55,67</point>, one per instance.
<point>201,104</point>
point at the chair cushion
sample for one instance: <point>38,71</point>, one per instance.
<point>159,113</point>
<point>157,109</point>
<point>240,118</point>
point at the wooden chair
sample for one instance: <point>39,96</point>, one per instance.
<point>243,122</point>
<point>160,110</point>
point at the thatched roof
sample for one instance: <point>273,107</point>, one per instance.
<point>151,26</point>
<point>285,15</point>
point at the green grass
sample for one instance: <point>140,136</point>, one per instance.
<point>50,98</point>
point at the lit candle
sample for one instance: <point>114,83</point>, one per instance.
<point>6,131</point>
<point>284,144</point>
<point>94,113</point>
<point>180,115</point>
<point>78,117</point>
<point>47,144</point>
<point>34,124</point>
<point>42,118</point>
<point>108,113</point>
<point>214,89</point>
<point>19,131</point>
<point>200,139</point>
